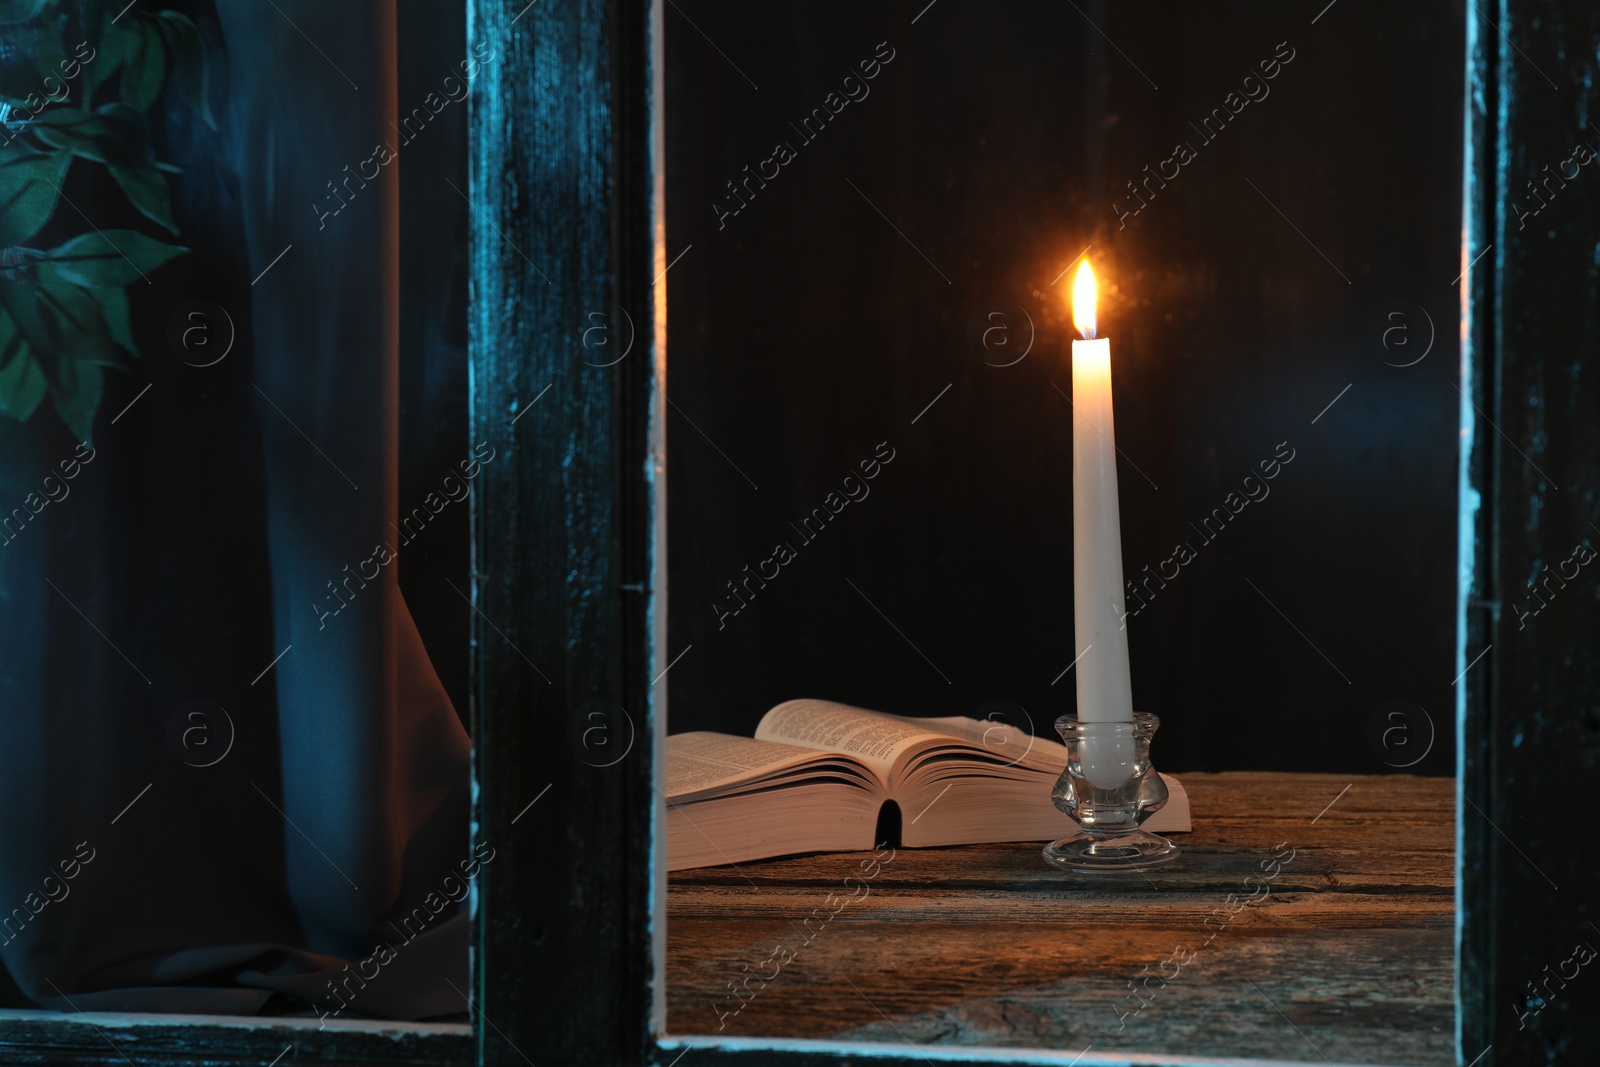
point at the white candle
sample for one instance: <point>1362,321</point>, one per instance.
<point>1105,693</point>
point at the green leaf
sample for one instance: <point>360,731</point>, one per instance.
<point>33,317</point>
<point>75,394</point>
<point>84,334</point>
<point>113,135</point>
<point>82,134</point>
<point>30,185</point>
<point>22,383</point>
<point>188,60</point>
<point>147,189</point>
<point>118,43</point>
<point>114,308</point>
<point>126,120</point>
<point>107,258</point>
<point>146,72</point>
<point>87,50</point>
<point>56,339</point>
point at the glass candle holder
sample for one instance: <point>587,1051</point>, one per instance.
<point>1109,788</point>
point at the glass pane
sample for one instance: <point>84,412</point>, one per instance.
<point>879,213</point>
<point>235,487</point>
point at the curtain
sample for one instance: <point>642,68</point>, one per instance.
<point>228,767</point>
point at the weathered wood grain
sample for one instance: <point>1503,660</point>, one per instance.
<point>985,945</point>
<point>562,181</point>
<point>1531,458</point>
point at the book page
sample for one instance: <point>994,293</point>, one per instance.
<point>703,760</point>
<point>873,737</point>
<point>1002,740</point>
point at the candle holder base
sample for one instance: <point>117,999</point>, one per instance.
<point>1109,788</point>
<point>1132,852</point>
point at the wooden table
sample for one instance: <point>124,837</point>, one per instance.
<point>1345,954</point>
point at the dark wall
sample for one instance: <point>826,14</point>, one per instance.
<point>1246,295</point>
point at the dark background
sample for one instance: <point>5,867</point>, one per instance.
<point>431,40</point>
<point>807,330</point>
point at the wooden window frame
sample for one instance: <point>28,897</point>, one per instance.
<point>566,163</point>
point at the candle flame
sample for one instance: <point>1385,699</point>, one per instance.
<point>1084,294</point>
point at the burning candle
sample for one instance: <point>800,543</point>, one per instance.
<point>1105,693</point>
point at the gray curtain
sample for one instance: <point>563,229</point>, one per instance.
<point>240,515</point>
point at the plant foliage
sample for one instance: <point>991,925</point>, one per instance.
<point>64,310</point>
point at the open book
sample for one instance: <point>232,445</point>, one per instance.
<point>817,774</point>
